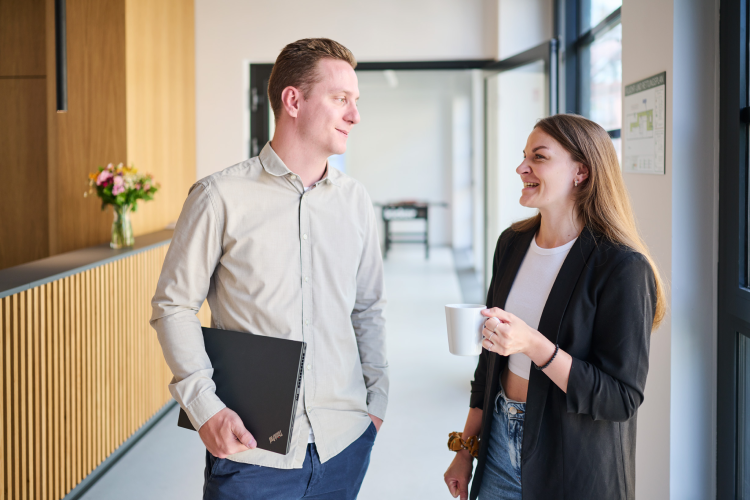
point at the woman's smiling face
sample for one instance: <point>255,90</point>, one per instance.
<point>548,173</point>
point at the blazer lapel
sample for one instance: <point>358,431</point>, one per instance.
<point>510,264</point>
<point>549,326</point>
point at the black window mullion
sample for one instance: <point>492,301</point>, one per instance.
<point>734,297</point>
<point>577,41</point>
<point>572,20</point>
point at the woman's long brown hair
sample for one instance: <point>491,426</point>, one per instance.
<point>602,201</point>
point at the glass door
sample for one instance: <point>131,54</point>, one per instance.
<point>518,92</point>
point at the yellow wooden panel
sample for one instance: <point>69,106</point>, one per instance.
<point>57,368</point>
<point>89,376</point>
<point>23,431</point>
<point>23,156</point>
<point>76,379</point>
<point>160,72</point>
<point>99,366</point>
<point>92,131</point>
<point>38,477</point>
<point>66,387</point>
<point>3,419</point>
<point>46,415</point>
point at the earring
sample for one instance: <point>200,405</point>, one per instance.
<point>576,183</point>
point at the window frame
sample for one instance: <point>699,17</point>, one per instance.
<point>733,279</point>
<point>575,43</point>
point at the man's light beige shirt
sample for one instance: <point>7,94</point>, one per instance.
<point>275,260</point>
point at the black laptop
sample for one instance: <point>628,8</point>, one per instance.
<point>259,378</point>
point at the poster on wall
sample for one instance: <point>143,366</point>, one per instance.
<point>644,126</point>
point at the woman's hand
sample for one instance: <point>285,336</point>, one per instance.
<point>458,475</point>
<point>506,334</point>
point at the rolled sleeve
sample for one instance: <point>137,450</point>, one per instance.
<point>610,383</point>
<point>368,319</point>
<point>183,285</point>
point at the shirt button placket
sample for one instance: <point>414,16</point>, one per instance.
<point>306,270</point>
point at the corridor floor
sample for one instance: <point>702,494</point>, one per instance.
<point>429,398</point>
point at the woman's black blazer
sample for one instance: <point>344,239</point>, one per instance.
<point>579,445</point>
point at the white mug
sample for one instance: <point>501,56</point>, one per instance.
<point>465,323</point>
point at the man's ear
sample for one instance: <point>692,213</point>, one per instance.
<point>290,100</point>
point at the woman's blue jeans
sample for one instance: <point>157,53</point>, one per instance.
<point>502,470</point>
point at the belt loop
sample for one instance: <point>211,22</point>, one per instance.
<point>497,400</point>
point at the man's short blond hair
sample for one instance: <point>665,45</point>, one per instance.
<point>296,67</point>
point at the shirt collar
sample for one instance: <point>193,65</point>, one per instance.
<point>274,166</point>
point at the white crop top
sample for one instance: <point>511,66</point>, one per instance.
<point>530,290</point>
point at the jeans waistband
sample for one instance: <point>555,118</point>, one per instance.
<point>513,409</point>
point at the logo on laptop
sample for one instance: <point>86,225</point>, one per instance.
<point>275,436</point>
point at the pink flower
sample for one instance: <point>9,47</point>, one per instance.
<point>111,167</point>
<point>119,185</point>
<point>146,186</point>
<point>138,186</point>
<point>103,177</point>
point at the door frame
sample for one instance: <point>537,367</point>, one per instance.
<point>548,53</point>
<point>733,280</point>
<point>545,51</point>
<point>260,73</point>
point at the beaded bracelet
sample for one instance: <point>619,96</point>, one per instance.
<point>557,348</point>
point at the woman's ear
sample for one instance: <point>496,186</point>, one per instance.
<point>583,172</point>
<point>290,98</point>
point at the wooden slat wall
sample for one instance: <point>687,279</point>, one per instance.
<point>81,371</point>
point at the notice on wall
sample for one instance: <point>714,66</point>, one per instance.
<point>644,125</point>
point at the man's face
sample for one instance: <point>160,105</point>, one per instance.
<point>329,111</point>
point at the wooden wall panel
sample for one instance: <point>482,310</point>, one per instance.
<point>81,370</point>
<point>23,169</point>
<point>22,38</point>
<point>160,67</point>
<point>131,98</point>
<point>92,132</point>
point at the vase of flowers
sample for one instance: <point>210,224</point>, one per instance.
<point>121,187</point>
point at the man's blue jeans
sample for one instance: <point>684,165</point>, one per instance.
<point>502,470</point>
<point>338,479</point>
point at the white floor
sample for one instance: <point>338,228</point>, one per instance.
<point>429,397</point>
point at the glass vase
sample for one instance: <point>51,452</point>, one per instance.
<point>122,230</point>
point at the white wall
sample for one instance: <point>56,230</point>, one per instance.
<point>677,216</point>
<point>231,33</point>
<point>523,25</point>
<point>405,147</point>
<point>644,56</point>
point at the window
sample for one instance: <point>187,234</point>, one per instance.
<point>733,343</point>
<point>594,63</point>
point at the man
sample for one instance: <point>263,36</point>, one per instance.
<point>281,245</point>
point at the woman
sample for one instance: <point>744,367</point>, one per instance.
<point>574,293</point>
